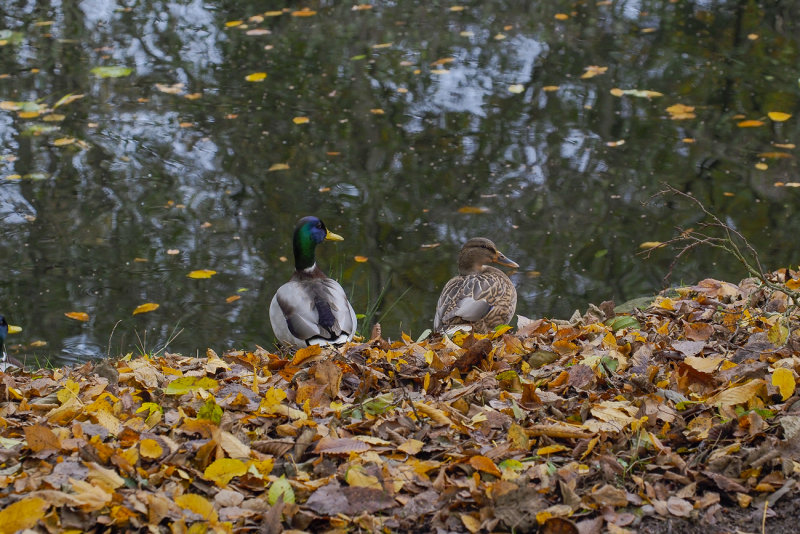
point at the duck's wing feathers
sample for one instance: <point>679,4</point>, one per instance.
<point>476,297</point>
<point>312,312</point>
<point>463,299</point>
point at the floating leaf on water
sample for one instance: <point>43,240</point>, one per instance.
<point>12,329</point>
<point>457,8</point>
<point>113,71</point>
<point>550,88</point>
<point>593,70</point>
<point>278,167</point>
<point>275,13</point>
<point>680,112</point>
<point>473,209</point>
<point>174,89</point>
<point>638,93</point>
<point>499,37</point>
<point>300,120</point>
<point>78,316</point>
<point>305,12</point>
<point>361,259</point>
<point>233,23</point>
<point>561,16</point>
<point>775,155</point>
<point>382,45</point>
<point>376,111</point>
<point>442,61</point>
<point>201,274</point>
<point>258,31</point>
<point>232,298</point>
<point>779,116</point>
<point>63,141</point>
<point>146,307</point>
<point>361,7</point>
<point>752,123</point>
<point>67,99</point>
<point>54,117</point>
<point>256,77</point>
<point>28,114</point>
<point>516,88</point>
<point>761,166</point>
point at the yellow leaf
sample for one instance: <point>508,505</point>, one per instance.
<point>233,23</point>
<point>275,13</point>
<point>14,329</point>
<point>197,504</point>
<point>27,114</point>
<point>778,333</point>
<point>561,16</point>
<point>779,116</point>
<point>146,307</point>
<point>784,380</point>
<point>516,88</point>
<point>736,395</point>
<point>78,316</point>
<point>550,449</point>
<point>550,88</point>
<point>376,111</point>
<point>651,244</point>
<point>256,77</point>
<point>761,166</point>
<point>202,273</point>
<point>221,471</point>
<point>150,448</point>
<point>681,111</point>
<point>750,124</point>
<point>357,477</point>
<point>300,120</point>
<point>22,515</point>
<point>593,70</point>
<point>472,523</point>
<point>412,446</point>
<point>63,141</point>
<point>360,259</point>
<point>278,167</point>
<point>70,391</point>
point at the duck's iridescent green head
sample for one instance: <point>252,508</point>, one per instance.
<point>309,232</point>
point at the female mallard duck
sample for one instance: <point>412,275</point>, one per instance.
<point>311,309</point>
<point>481,296</point>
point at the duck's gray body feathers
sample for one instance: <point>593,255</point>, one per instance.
<point>311,309</point>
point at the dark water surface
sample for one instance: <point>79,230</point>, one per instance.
<point>428,123</point>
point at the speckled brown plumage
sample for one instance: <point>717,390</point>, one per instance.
<point>481,296</point>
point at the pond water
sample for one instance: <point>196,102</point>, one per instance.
<point>195,133</point>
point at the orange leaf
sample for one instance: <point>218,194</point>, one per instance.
<point>360,259</point>
<point>78,316</point>
<point>482,463</point>
<point>305,353</point>
<point>750,124</point>
<point>146,307</point>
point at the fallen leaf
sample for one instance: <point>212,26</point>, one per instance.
<point>146,307</point>
<point>201,274</point>
<point>78,316</point>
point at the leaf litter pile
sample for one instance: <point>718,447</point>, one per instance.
<point>682,409</point>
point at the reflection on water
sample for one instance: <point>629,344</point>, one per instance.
<point>426,125</point>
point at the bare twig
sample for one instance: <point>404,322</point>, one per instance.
<point>732,242</point>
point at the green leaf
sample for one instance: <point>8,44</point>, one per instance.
<point>183,385</point>
<point>278,488</point>
<point>380,404</point>
<point>210,411</point>
<point>623,321</point>
<point>114,71</point>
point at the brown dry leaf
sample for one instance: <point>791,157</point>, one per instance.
<point>340,446</point>
<point>40,437</point>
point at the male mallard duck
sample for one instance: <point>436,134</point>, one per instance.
<point>4,363</point>
<point>311,309</point>
<point>480,296</point>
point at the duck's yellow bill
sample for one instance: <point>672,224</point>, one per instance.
<point>330,236</point>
